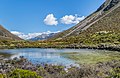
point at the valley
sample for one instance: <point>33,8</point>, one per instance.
<point>90,49</point>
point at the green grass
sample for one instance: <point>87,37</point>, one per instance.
<point>92,57</point>
<point>20,73</point>
<point>5,54</point>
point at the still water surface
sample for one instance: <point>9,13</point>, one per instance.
<point>49,56</point>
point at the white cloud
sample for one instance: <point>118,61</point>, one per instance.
<point>16,32</point>
<point>50,20</point>
<point>25,36</point>
<point>48,32</point>
<point>30,35</point>
<point>70,19</point>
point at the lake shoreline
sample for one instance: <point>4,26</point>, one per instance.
<point>101,69</point>
<point>10,68</point>
<point>102,47</point>
<point>59,45</point>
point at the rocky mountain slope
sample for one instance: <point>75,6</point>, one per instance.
<point>6,35</point>
<point>106,18</point>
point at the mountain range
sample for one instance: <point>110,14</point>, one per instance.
<point>43,37</point>
<point>106,18</point>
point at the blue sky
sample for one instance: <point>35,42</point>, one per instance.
<point>28,16</point>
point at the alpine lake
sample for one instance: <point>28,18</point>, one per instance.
<point>65,57</point>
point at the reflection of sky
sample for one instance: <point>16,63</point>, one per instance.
<point>45,57</point>
<point>40,55</point>
<point>50,56</point>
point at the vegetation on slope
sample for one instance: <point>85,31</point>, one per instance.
<point>111,22</point>
<point>108,14</point>
<point>104,33</point>
<point>102,39</point>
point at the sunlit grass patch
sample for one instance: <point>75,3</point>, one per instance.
<point>92,57</point>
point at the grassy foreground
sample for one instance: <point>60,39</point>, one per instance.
<point>93,64</point>
<point>22,68</point>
